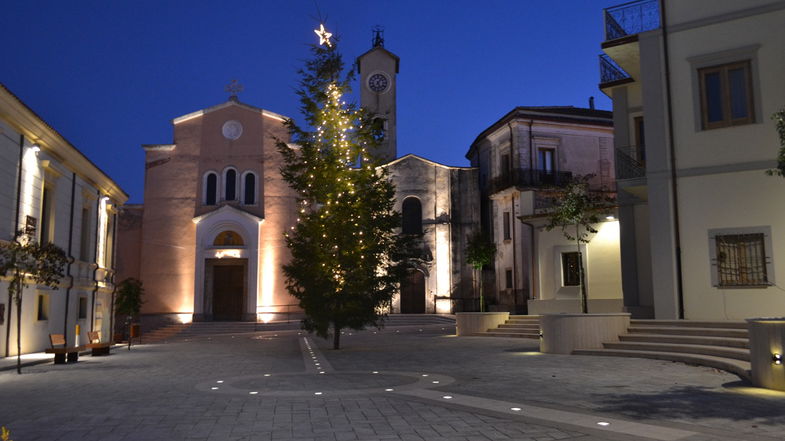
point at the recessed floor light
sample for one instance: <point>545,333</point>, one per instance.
<point>424,375</point>
<point>603,423</point>
<point>253,393</point>
<point>214,388</point>
<point>317,393</point>
<point>375,372</point>
<point>435,382</point>
<point>321,372</point>
<point>266,375</point>
<point>515,409</point>
<point>447,397</point>
<point>388,390</point>
<point>219,381</point>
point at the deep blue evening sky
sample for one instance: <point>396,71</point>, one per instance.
<point>110,75</point>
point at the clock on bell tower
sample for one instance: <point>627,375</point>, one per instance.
<point>377,69</point>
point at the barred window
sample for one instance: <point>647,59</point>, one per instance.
<point>741,260</point>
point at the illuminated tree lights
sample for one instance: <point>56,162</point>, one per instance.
<point>347,259</point>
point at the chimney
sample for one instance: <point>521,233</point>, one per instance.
<point>591,102</point>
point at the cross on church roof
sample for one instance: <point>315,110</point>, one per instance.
<point>378,36</point>
<point>233,88</point>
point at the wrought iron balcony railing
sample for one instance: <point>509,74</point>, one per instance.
<point>522,178</point>
<point>631,162</point>
<point>631,18</point>
<point>610,72</point>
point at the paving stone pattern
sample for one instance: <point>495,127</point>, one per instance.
<point>153,393</point>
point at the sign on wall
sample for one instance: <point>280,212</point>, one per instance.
<point>30,225</point>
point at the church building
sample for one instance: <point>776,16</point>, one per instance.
<point>208,242</point>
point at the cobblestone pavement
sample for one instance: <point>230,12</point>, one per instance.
<point>396,384</point>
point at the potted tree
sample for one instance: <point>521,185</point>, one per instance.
<point>127,305</point>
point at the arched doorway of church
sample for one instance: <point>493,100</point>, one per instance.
<point>413,294</point>
<point>226,277</point>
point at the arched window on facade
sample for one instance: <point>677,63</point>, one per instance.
<point>411,211</point>
<point>230,185</point>
<point>249,189</point>
<point>228,239</point>
<point>210,188</point>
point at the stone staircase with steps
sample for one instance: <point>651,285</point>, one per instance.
<point>721,345</point>
<point>163,333</point>
<point>520,326</point>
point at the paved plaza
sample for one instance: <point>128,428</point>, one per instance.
<point>404,383</point>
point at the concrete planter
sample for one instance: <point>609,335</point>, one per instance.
<point>468,323</point>
<point>767,338</point>
<point>563,333</point>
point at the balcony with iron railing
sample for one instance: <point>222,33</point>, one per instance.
<point>631,162</point>
<point>611,74</point>
<point>529,178</point>
<point>631,18</point>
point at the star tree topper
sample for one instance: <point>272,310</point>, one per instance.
<point>324,36</point>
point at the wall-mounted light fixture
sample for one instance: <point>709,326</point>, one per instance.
<point>776,358</point>
<point>35,148</point>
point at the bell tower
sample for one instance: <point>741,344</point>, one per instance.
<point>377,69</point>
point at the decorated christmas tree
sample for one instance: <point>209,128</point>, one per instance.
<point>347,260</point>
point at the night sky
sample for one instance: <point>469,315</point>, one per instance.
<point>111,75</point>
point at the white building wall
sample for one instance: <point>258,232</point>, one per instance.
<point>54,166</point>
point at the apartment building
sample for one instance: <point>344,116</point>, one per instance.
<point>54,193</point>
<point>694,85</point>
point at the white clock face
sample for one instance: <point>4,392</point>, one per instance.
<point>378,82</point>
<point>232,129</point>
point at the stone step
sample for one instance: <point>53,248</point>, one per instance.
<point>498,333</point>
<point>524,317</point>
<point>715,351</point>
<point>690,324</point>
<point>524,322</point>
<point>737,367</point>
<point>513,331</point>
<point>533,327</point>
<point>687,340</point>
<point>669,330</point>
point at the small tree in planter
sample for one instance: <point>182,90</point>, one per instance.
<point>576,211</point>
<point>480,251</point>
<point>26,261</point>
<point>129,302</point>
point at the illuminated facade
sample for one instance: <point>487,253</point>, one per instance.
<point>521,159</point>
<point>701,221</point>
<point>51,190</point>
<point>208,241</point>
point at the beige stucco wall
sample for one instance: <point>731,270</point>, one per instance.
<point>764,35</point>
<point>601,260</point>
<point>729,201</point>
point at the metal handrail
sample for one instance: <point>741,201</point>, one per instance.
<point>631,18</point>
<point>630,162</point>
<point>610,71</point>
<point>521,177</point>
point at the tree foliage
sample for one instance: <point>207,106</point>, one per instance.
<point>480,251</point>
<point>26,261</point>
<point>129,297</point>
<point>347,261</point>
<point>779,119</point>
<point>576,210</point>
